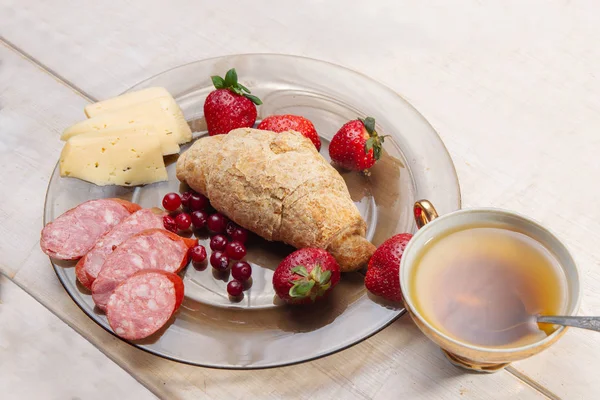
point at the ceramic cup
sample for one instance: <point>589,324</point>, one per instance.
<point>483,359</point>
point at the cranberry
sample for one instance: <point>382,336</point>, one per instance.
<point>230,228</point>
<point>171,201</point>
<point>185,199</point>
<point>198,253</point>
<point>169,223</point>
<point>199,219</point>
<point>183,221</point>
<point>216,223</point>
<point>198,202</point>
<point>218,242</point>
<point>235,250</point>
<point>239,234</point>
<point>235,288</point>
<point>241,271</point>
<point>219,260</point>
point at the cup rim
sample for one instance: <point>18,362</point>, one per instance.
<point>417,314</point>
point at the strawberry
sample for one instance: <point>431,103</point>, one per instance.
<point>305,276</point>
<point>383,275</point>
<point>229,107</point>
<point>356,145</point>
<point>282,123</point>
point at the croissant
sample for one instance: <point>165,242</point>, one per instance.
<point>278,186</point>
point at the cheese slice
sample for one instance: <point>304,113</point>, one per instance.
<point>168,145</point>
<point>125,100</point>
<point>162,113</point>
<point>127,159</point>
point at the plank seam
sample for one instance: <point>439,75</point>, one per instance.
<point>61,79</point>
<point>532,383</point>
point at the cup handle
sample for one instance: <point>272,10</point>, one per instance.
<point>424,212</point>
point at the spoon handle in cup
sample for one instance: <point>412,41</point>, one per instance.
<point>591,323</point>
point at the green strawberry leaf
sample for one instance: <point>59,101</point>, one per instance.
<point>377,151</point>
<point>218,82</point>
<point>231,78</point>
<point>300,270</point>
<point>369,144</point>
<point>301,288</point>
<point>244,88</point>
<point>254,99</point>
<point>236,90</point>
<point>315,274</point>
<point>369,124</point>
<point>324,279</point>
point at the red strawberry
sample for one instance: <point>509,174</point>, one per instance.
<point>305,276</point>
<point>282,123</point>
<point>356,145</point>
<point>229,107</point>
<point>383,275</point>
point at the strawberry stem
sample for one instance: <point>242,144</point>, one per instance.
<point>313,284</point>
<point>374,142</point>
<point>231,83</point>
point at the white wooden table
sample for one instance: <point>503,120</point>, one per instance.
<point>512,88</point>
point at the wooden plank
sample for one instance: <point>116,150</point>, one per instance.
<point>399,362</point>
<point>34,109</point>
<point>43,358</point>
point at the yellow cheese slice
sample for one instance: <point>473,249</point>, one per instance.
<point>162,113</point>
<point>125,100</point>
<point>168,145</point>
<point>127,159</point>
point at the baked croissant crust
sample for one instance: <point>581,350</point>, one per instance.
<point>278,186</point>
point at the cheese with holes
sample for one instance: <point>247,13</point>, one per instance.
<point>162,113</point>
<point>125,100</point>
<point>127,159</point>
<point>168,145</point>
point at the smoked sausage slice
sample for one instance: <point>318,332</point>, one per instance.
<point>143,303</point>
<point>74,233</point>
<point>150,249</point>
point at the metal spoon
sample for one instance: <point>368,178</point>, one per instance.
<point>523,317</point>
<point>591,323</point>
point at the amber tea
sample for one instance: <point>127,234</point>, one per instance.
<point>483,285</point>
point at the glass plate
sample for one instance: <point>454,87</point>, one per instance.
<point>260,332</point>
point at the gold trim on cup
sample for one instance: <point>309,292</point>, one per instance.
<point>424,213</point>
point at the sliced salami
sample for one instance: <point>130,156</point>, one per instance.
<point>143,303</point>
<point>88,268</point>
<point>74,233</point>
<point>150,249</point>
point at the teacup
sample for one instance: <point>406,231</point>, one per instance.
<point>466,355</point>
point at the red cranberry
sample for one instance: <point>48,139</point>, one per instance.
<point>235,250</point>
<point>216,223</point>
<point>169,223</point>
<point>185,199</point>
<point>218,242</point>
<point>235,288</point>
<point>239,234</point>
<point>241,271</point>
<point>199,219</point>
<point>198,202</point>
<point>198,253</point>
<point>219,260</point>
<point>171,201</point>
<point>230,228</point>
<point>183,221</point>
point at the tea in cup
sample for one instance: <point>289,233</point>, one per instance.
<point>474,281</point>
